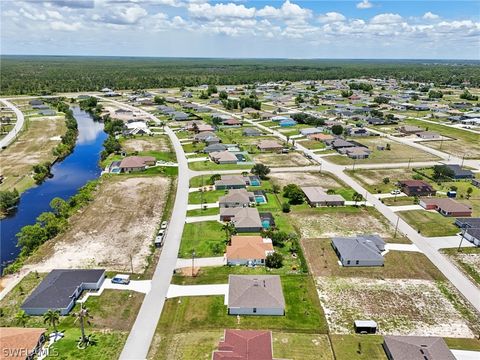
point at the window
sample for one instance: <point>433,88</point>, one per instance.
<point>348,262</point>
<point>356,262</point>
<point>254,310</point>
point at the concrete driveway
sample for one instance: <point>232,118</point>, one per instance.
<point>201,262</point>
<point>406,208</point>
<point>142,286</point>
<point>197,290</point>
<point>466,355</point>
<point>401,247</point>
<point>202,206</point>
<point>194,219</point>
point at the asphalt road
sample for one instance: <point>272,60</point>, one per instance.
<point>18,125</point>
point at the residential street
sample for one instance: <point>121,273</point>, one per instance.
<point>18,125</point>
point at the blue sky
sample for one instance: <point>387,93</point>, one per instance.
<point>236,28</point>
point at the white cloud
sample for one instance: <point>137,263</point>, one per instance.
<point>33,16</point>
<point>206,11</point>
<point>54,14</point>
<point>288,10</point>
<point>331,17</point>
<point>124,15</point>
<point>430,16</point>
<point>385,19</point>
<point>364,4</point>
<point>63,26</point>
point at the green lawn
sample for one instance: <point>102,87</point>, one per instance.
<point>208,196</point>
<point>203,212</point>
<point>365,347</point>
<point>463,344</point>
<point>429,223</point>
<point>210,165</point>
<point>202,237</point>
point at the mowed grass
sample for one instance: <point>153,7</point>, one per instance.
<point>429,223</point>
<point>199,197</point>
<point>323,261</point>
<point>200,237</point>
<point>361,347</point>
<point>210,165</point>
<point>467,259</point>
<point>372,179</point>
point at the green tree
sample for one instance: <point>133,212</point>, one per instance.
<point>294,194</point>
<point>357,197</point>
<point>442,172</point>
<point>52,318</point>
<point>337,129</point>
<point>159,100</point>
<point>469,192</point>
<point>83,316</point>
<point>8,199</point>
<point>223,95</point>
<point>274,260</point>
<point>386,180</point>
<point>30,237</point>
<point>381,99</point>
<point>285,207</point>
<point>59,207</point>
<point>21,318</point>
<point>229,229</point>
<point>260,170</point>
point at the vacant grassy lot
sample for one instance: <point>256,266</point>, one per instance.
<point>466,143</point>
<point>33,146</point>
<point>114,241</point>
<point>429,223</point>
<point>207,239</point>
<point>303,315</point>
<point>323,180</point>
<point>399,306</point>
<point>199,197</point>
<point>210,165</point>
<point>399,153</point>
<point>372,180</point>
<point>322,261</point>
<point>468,260</point>
<point>361,347</point>
<point>282,160</point>
<point>341,221</point>
<point>113,315</point>
<point>158,143</point>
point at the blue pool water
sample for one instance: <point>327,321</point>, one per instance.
<point>260,199</point>
<point>69,175</point>
<point>266,224</point>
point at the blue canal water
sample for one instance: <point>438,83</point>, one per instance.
<point>69,175</point>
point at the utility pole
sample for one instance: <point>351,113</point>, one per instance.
<point>464,228</point>
<point>353,168</point>
<point>201,195</point>
<point>396,227</point>
<point>463,158</point>
<point>409,160</point>
<point>193,263</point>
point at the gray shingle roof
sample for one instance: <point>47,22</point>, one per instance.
<point>364,247</point>
<point>417,348</point>
<point>255,291</point>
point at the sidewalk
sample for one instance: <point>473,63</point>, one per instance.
<point>197,290</point>
<point>208,261</point>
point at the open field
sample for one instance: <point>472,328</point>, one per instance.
<point>323,180</point>
<point>118,241</point>
<point>303,314</point>
<point>341,221</point>
<point>346,347</point>
<point>158,143</point>
<point>399,153</point>
<point>282,160</point>
<point>468,260</point>
<point>372,180</point>
<point>33,146</point>
<point>207,239</point>
<point>430,223</point>
<point>399,306</point>
<point>322,261</point>
<point>113,315</point>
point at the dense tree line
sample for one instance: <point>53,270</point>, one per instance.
<point>48,74</point>
<point>303,118</point>
<point>8,200</point>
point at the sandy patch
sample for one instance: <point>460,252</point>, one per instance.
<point>150,143</point>
<point>305,179</point>
<point>281,160</point>
<point>399,306</point>
<point>114,231</point>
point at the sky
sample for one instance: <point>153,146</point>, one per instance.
<point>360,29</point>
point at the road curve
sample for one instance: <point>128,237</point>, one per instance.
<point>18,125</point>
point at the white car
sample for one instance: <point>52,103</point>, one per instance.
<point>164,225</point>
<point>395,192</point>
<point>161,232</point>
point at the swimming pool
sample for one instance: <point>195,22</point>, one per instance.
<point>260,199</point>
<point>266,224</point>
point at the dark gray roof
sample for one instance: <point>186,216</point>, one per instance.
<point>468,222</point>
<point>260,291</point>
<point>55,291</point>
<point>215,147</point>
<point>458,171</point>
<point>364,247</point>
<point>417,348</point>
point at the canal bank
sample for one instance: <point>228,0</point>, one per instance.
<point>68,175</point>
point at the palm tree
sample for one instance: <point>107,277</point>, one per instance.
<point>52,317</point>
<point>83,316</point>
<point>357,197</point>
<point>229,229</point>
<point>21,318</point>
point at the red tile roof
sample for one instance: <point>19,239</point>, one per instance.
<point>245,345</point>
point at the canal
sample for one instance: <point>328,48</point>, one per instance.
<point>70,174</point>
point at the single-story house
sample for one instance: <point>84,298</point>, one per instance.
<point>207,137</point>
<point>245,345</point>
<point>358,132</point>
<point>320,137</point>
<point>338,143</point>
<point>248,250</point>
<point>167,110</point>
<point>361,250</point>
<point>136,163</point>
<point>230,182</point>
<point>61,288</point>
<point>376,121</point>
<point>236,198</point>
<point>179,116</point>
<point>446,206</point>
<point>223,157</point>
<point>21,343</point>
<point>460,173</point>
<point>409,129</point>
<point>416,188</point>
<point>472,229</point>
<point>250,131</point>
<point>280,118</point>
<point>316,197</point>
<point>287,122</point>
<point>416,348</point>
<point>244,219</point>
<point>214,148</point>
<point>255,295</point>
<point>35,102</point>
<point>476,183</point>
<point>269,145</point>
<point>231,122</point>
<point>428,135</point>
<point>47,112</point>
<point>356,152</point>
<point>310,131</point>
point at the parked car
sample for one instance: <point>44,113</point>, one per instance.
<point>164,225</point>
<point>161,232</point>
<point>121,279</point>
<point>395,192</point>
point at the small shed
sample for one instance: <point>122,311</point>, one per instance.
<point>365,326</point>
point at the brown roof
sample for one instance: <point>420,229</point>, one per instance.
<point>243,217</point>
<point>414,183</point>
<point>320,137</point>
<point>446,204</point>
<point>223,156</point>
<point>14,342</point>
<point>136,161</point>
<point>248,247</point>
<point>255,291</point>
<point>417,348</point>
<point>245,345</point>
<point>237,196</point>
<point>269,144</point>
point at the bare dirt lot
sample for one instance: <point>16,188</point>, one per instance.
<point>305,179</point>
<point>282,160</point>
<point>147,143</point>
<point>399,306</point>
<point>33,146</point>
<point>115,229</point>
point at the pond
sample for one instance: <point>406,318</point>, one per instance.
<point>70,174</point>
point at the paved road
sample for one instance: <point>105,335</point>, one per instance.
<point>5,141</point>
<point>143,330</point>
